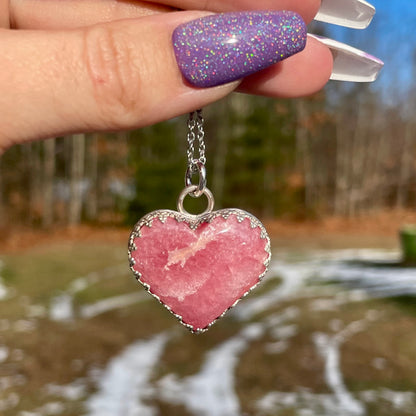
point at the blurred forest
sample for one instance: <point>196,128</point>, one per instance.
<point>348,151</point>
<point>341,152</point>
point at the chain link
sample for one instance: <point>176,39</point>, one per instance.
<point>196,157</point>
<point>196,133</point>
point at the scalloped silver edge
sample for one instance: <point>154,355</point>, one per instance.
<point>194,221</point>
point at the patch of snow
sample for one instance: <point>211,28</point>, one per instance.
<point>324,305</point>
<point>52,408</point>
<point>116,302</point>
<point>8,382</point>
<point>329,348</point>
<point>336,325</point>
<point>276,347</point>
<point>17,355</point>
<point>74,391</point>
<point>36,311</point>
<point>211,392</point>
<point>379,363</point>
<point>304,401</point>
<point>404,401</point>
<point>4,291</point>
<point>4,353</point>
<point>24,325</point>
<point>61,308</point>
<point>307,403</point>
<point>293,279</point>
<point>372,271</point>
<point>399,400</point>
<point>9,402</point>
<point>82,283</point>
<point>124,385</point>
<point>281,318</point>
<point>284,332</point>
<point>369,273</point>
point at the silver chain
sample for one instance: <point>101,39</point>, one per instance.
<point>196,133</point>
<point>196,157</point>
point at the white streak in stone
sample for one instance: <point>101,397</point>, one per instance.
<point>182,255</point>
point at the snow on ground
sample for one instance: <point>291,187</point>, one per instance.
<point>211,392</point>
<point>329,347</point>
<point>4,291</point>
<point>116,302</point>
<point>125,384</point>
<point>61,307</point>
<point>307,403</point>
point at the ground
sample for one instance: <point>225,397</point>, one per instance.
<point>73,318</point>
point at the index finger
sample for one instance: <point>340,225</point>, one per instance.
<point>306,8</point>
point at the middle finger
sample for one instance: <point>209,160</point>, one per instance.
<point>68,14</point>
<point>58,14</point>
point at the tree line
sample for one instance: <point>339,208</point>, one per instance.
<point>341,152</point>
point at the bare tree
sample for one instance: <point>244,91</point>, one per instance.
<point>33,163</point>
<point>49,166</point>
<point>76,177</point>
<point>2,202</point>
<point>91,172</point>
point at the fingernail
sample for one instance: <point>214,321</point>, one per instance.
<point>356,14</point>
<point>351,64</point>
<point>222,48</point>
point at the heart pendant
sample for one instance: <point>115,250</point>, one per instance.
<point>199,266</point>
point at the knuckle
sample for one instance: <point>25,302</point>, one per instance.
<point>109,59</point>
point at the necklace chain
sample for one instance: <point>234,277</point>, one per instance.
<point>196,157</point>
<point>196,133</point>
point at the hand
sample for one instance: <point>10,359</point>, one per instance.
<point>101,65</point>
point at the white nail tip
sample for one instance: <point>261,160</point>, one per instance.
<point>356,14</point>
<point>351,64</point>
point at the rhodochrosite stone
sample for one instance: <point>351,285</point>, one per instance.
<point>199,266</point>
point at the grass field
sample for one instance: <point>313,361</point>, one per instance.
<point>320,349</point>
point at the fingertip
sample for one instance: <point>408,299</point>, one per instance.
<point>321,61</point>
<point>300,75</point>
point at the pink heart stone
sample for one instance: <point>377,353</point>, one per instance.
<point>199,266</point>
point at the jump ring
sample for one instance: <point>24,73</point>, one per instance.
<point>190,190</point>
<point>202,178</point>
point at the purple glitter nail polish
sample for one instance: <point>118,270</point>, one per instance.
<point>222,48</point>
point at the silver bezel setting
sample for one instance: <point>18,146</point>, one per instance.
<point>194,221</point>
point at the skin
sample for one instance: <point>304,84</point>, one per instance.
<point>105,65</point>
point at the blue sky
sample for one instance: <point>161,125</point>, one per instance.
<point>392,38</point>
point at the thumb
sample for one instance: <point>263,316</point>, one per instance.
<point>113,76</point>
